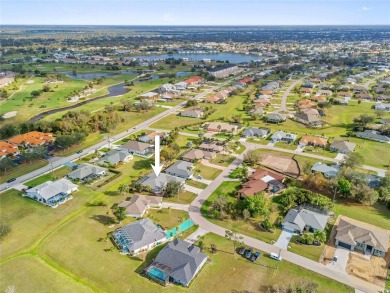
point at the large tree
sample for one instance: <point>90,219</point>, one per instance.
<point>6,164</point>
<point>353,160</point>
<point>172,188</point>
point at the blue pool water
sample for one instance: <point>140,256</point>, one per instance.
<point>156,273</point>
<point>181,228</point>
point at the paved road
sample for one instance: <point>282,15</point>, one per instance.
<point>311,265</point>
<point>58,162</point>
<point>283,103</point>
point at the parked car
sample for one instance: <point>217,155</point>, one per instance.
<point>275,256</point>
<point>11,180</point>
<point>241,250</point>
<point>79,152</point>
<point>255,256</point>
<point>248,253</point>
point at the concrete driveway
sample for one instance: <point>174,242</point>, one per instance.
<point>342,260</point>
<point>300,148</point>
<point>284,239</point>
<point>340,157</point>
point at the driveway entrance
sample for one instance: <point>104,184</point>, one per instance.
<point>284,239</point>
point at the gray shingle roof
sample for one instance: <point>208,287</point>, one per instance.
<point>142,233</point>
<point>254,131</point>
<point>85,170</point>
<point>136,145</point>
<point>49,189</point>
<point>157,184</point>
<point>300,217</point>
<point>138,204</point>
<point>181,169</point>
<point>183,258</point>
<point>114,157</point>
<point>343,145</point>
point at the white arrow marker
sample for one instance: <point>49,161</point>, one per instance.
<point>157,167</point>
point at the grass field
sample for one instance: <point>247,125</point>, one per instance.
<point>309,251</point>
<point>206,172</point>
<point>167,218</point>
<point>196,184</point>
<point>222,160</point>
<point>22,169</point>
<point>59,173</point>
<point>184,197</point>
<point>285,145</point>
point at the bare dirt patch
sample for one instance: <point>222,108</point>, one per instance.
<point>280,163</point>
<point>30,81</point>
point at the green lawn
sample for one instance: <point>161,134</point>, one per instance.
<point>262,141</point>
<point>206,172</point>
<point>59,173</point>
<point>319,151</point>
<point>310,251</point>
<point>236,173</point>
<point>196,184</point>
<point>285,145</point>
<point>23,169</point>
<point>184,197</point>
<point>377,215</point>
<point>167,218</point>
<point>222,160</point>
<point>241,275</point>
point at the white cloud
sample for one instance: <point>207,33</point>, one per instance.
<point>365,8</point>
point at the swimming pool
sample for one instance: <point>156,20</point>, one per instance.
<point>179,229</point>
<point>156,273</point>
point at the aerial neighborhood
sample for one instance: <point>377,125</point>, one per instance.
<point>156,164</point>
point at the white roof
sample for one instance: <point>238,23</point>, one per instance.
<point>267,178</point>
<point>50,188</point>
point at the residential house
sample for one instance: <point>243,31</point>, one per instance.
<point>313,140</point>
<point>114,157</point>
<point>182,169</point>
<point>8,149</point>
<point>305,104</point>
<point>178,262</point>
<point>319,99</point>
<point>32,138</point>
<point>138,236</point>
<point>363,96</point>
<point>150,137</point>
<point>157,184</point>
<point>356,235</point>
<point>381,106</point>
<point>196,112</point>
<point>194,81</point>
<point>138,205</point>
<point>309,117</point>
<point>221,127</point>
<point>276,118</point>
<point>262,179</point>
<point>86,172</point>
<point>211,147</point>
<point>196,154</point>
<point>52,193</point>
<point>325,93</point>
<point>342,146</point>
<point>152,96</point>
<point>256,111</point>
<point>168,88</point>
<point>305,218</point>
<point>373,135</point>
<point>256,132</point>
<point>324,169</point>
<point>137,148</point>
<point>180,86</point>
<point>306,91</point>
<point>283,136</point>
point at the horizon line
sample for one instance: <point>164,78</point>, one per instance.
<point>196,25</point>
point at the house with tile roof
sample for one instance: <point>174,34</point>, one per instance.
<point>313,140</point>
<point>178,262</point>
<point>8,149</point>
<point>32,138</point>
<point>262,180</point>
<point>355,235</point>
<point>138,204</point>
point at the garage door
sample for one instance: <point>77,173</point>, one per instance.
<point>345,245</point>
<point>288,229</point>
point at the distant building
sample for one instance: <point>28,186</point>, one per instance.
<point>224,70</point>
<point>8,149</point>
<point>373,135</point>
<point>32,138</point>
<point>276,118</point>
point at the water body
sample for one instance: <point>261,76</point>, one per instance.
<point>113,91</point>
<point>90,76</point>
<point>231,57</point>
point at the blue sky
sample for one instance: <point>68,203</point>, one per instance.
<point>195,12</point>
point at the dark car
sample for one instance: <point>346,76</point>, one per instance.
<point>248,253</point>
<point>241,250</point>
<point>255,256</point>
<point>11,180</point>
<point>79,152</point>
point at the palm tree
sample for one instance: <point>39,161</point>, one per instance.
<point>123,188</point>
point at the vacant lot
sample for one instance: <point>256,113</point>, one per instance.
<point>283,164</point>
<point>22,169</point>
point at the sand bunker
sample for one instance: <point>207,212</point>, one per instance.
<point>10,114</point>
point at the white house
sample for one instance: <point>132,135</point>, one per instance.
<point>52,193</point>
